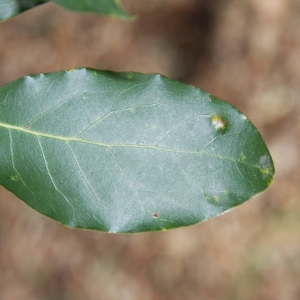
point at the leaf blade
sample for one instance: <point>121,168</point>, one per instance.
<point>11,8</point>
<point>112,8</point>
<point>126,152</point>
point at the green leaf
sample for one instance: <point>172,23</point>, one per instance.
<point>126,152</point>
<point>113,8</point>
<point>11,8</point>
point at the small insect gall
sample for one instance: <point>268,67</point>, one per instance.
<point>218,123</point>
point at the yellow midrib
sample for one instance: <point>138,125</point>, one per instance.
<point>74,139</point>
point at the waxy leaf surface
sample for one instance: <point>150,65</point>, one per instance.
<point>113,8</point>
<point>126,152</point>
<point>11,8</point>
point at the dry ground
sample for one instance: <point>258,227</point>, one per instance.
<point>246,52</point>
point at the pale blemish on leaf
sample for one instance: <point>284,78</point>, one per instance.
<point>266,166</point>
<point>216,198</point>
<point>218,123</point>
<point>207,197</point>
<point>208,97</point>
<point>243,157</point>
<point>265,161</point>
<point>212,198</point>
<point>266,172</point>
<point>14,177</point>
<point>270,182</point>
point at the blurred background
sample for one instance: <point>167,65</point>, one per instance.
<point>245,52</point>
